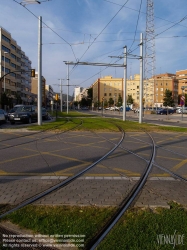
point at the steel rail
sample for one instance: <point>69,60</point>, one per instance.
<point>44,130</point>
<point>124,206</point>
<point>65,182</point>
<point>158,166</point>
<point>19,144</point>
<point>154,164</point>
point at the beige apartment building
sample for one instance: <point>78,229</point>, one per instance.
<point>163,82</point>
<point>12,59</point>
<point>109,87</point>
<point>133,89</point>
<point>34,88</point>
<point>181,76</point>
<point>106,88</point>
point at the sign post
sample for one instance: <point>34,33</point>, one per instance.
<point>182,102</point>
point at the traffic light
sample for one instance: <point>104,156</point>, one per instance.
<point>32,72</point>
<point>56,97</point>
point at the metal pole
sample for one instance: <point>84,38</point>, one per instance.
<point>125,84</point>
<point>61,95</point>
<point>183,102</point>
<point>67,85</point>
<point>40,72</point>
<point>141,78</point>
<point>4,72</point>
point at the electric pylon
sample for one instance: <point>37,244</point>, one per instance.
<point>149,62</point>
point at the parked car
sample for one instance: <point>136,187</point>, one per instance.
<point>127,108</point>
<point>45,115</point>
<point>2,116</point>
<point>165,111</point>
<point>24,113</point>
<point>180,110</point>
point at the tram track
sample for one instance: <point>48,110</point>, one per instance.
<point>175,175</point>
<point>125,204</point>
<point>122,207</point>
<point>66,181</point>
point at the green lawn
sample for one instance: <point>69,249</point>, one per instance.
<point>103,124</point>
<point>137,230</point>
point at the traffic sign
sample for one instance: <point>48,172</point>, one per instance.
<point>182,100</point>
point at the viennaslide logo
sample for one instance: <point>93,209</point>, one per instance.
<point>171,239</point>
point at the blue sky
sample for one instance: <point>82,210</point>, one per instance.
<point>93,30</point>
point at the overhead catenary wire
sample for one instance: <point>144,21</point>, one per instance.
<point>101,32</point>
<point>49,28</point>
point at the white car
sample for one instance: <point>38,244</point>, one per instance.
<point>179,110</point>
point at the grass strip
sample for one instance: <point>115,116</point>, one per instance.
<point>138,229</point>
<point>107,124</point>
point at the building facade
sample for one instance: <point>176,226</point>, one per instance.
<point>34,88</point>
<point>49,94</point>
<point>17,84</point>
<point>181,76</point>
<point>106,88</point>
<point>163,82</point>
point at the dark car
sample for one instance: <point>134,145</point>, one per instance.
<point>45,115</point>
<point>24,114</point>
<point>2,116</point>
<point>165,111</point>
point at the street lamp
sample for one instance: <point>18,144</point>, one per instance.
<point>4,69</point>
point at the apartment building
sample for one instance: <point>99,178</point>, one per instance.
<point>133,84</point>
<point>77,92</point>
<point>161,83</point>
<point>13,59</point>
<point>49,94</point>
<point>34,87</point>
<point>107,87</point>
<point>181,76</point>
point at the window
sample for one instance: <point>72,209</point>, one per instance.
<point>13,65</point>
<point>13,47</point>
<point>110,94</point>
<point>6,70</point>
<point>13,56</point>
<point>6,39</point>
<point>105,94</point>
<point>5,49</point>
<point>6,59</point>
<point>13,74</point>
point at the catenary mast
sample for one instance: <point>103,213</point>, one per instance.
<point>149,62</point>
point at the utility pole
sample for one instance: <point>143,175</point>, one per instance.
<point>125,84</point>
<point>40,72</point>
<point>141,78</point>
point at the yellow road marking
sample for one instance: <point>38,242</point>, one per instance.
<point>179,165</point>
<point>19,158</point>
<point>127,172</point>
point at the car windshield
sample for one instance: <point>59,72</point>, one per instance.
<point>24,109</point>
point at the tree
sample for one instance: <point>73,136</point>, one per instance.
<point>111,101</point>
<point>168,98</point>
<point>76,103</point>
<point>105,103</point>
<point>84,102</point>
<point>6,100</point>
<point>18,98</point>
<point>119,103</point>
<point>130,100</point>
